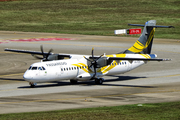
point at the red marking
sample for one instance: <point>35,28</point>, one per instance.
<point>40,39</point>
<point>135,31</point>
<point>3,42</point>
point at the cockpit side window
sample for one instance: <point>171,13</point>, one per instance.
<point>40,68</point>
<point>43,68</point>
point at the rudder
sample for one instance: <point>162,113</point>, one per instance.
<point>144,43</point>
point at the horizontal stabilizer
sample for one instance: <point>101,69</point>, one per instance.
<point>156,26</point>
<point>136,25</point>
<point>140,59</point>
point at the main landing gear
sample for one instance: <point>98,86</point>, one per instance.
<point>99,81</point>
<point>32,84</point>
<point>73,81</point>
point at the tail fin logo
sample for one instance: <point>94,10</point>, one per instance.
<point>138,46</point>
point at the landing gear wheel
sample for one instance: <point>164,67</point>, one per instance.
<point>99,81</point>
<point>32,84</point>
<point>73,81</point>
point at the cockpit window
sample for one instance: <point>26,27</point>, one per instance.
<point>30,68</point>
<point>39,68</point>
<point>43,68</point>
<point>34,68</point>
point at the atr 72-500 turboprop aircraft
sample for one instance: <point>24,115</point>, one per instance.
<point>54,67</point>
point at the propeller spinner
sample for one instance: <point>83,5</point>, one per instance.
<point>93,62</point>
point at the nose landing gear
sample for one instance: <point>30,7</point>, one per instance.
<point>32,84</point>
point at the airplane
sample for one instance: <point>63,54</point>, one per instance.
<point>73,67</point>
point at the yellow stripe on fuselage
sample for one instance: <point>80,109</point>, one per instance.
<point>105,69</point>
<point>87,70</point>
<point>121,55</point>
<point>110,67</point>
<point>145,55</point>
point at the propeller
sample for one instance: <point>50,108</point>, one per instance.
<point>93,62</point>
<point>45,56</point>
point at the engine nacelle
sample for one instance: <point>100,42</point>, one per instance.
<point>53,57</point>
<point>103,61</point>
<point>57,57</point>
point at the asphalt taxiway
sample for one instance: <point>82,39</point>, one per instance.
<point>150,83</point>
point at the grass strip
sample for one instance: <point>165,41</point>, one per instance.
<point>156,111</point>
<point>92,17</point>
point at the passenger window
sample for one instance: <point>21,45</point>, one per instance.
<point>64,69</point>
<point>72,68</point>
<point>69,68</point>
<point>75,68</point>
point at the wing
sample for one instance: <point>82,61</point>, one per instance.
<point>37,53</point>
<point>26,51</point>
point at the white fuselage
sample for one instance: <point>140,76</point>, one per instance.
<point>77,69</point>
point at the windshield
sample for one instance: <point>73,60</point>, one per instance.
<point>36,68</point>
<point>30,68</point>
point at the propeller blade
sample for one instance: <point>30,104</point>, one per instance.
<point>37,57</point>
<point>90,66</point>
<point>87,59</point>
<point>93,62</point>
<point>94,76</point>
<point>93,53</point>
<point>49,53</point>
<point>99,57</point>
<point>41,47</point>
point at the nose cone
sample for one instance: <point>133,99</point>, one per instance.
<point>27,76</point>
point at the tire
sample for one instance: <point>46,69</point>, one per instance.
<point>32,85</point>
<point>99,81</point>
<point>73,81</point>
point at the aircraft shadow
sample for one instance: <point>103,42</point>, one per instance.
<point>123,78</point>
<point>90,83</point>
<point>12,79</point>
